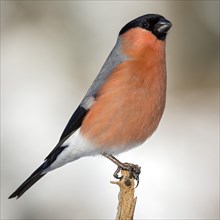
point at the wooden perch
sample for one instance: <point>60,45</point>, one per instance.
<point>126,199</point>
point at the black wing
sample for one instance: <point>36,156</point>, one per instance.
<point>73,124</point>
<point>115,58</point>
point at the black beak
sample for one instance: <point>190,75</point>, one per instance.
<point>162,26</point>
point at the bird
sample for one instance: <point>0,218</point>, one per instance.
<point>123,106</point>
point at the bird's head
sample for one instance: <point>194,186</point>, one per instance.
<point>156,24</point>
<point>144,34</point>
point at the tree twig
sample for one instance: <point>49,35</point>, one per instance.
<point>126,199</point>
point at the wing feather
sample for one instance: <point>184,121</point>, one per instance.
<point>115,58</point>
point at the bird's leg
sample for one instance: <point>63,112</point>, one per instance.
<point>133,169</point>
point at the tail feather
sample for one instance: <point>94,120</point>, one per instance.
<point>26,185</point>
<point>35,176</point>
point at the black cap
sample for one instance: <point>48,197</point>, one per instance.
<point>157,24</point>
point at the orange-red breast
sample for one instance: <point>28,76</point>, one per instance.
<point>124,104</point>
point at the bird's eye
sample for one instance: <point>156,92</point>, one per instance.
<point>145,25</point>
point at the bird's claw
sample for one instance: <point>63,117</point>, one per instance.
<point>133,169</point>
<point>116,173</point>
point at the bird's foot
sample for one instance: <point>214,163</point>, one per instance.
<point>133,169</point>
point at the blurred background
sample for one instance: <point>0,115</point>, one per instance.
<point>50,53</point>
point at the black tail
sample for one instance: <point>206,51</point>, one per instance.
<point>35,176</point>
<point>25,186</point>
<point>38,173</point>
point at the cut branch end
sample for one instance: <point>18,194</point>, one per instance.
<point>126,199</point>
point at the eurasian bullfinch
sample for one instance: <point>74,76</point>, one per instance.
<point>124,104</point>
